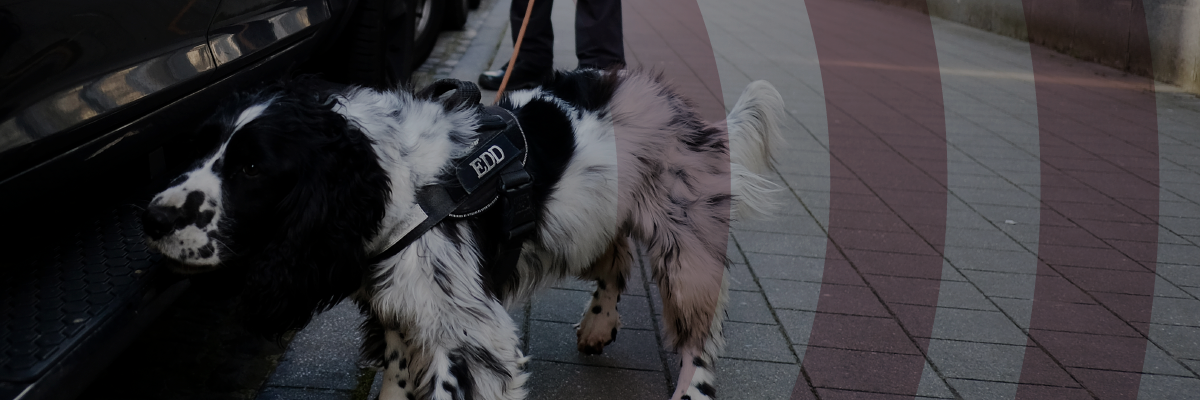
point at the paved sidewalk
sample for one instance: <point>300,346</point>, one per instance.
<point>944,234</point>
<point>964,215</point>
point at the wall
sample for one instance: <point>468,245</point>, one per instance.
<point>1159,38</point>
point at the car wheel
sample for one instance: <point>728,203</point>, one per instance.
<point>427,23</point>
<point>376,48</point>
<point>456,14</point>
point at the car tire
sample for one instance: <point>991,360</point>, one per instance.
<point>427,23</point>
<point>376,48</point>
<point>456,14</point>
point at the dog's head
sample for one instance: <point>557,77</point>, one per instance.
<point>291,192</point>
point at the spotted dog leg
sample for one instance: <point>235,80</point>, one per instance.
<point>470,371</point>
<point>702,382</point>
<point>601,321</point>
<point>397,382</point>
<point>697,377</point>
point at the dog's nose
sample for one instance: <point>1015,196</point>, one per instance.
<point>160,220</point>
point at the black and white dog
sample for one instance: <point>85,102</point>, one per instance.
<point>306,186</point>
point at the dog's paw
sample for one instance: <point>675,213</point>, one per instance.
<point>597,329</point>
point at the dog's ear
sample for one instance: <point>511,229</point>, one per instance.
<point>317,257</point>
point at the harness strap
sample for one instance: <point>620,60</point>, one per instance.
<point>491,174</point>
<point>464,93</point>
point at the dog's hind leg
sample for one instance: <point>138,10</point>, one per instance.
<point>697,376</point>
<point>692,283</point>
<point>601,321</point>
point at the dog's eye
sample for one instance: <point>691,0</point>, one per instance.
<point>250,170</point>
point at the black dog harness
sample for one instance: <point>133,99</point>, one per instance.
<point>492,175</point>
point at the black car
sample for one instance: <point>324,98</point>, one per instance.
<point>98,100</point>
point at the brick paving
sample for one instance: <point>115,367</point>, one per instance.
<point>964,215</point>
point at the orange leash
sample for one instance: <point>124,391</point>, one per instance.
<point>516,49</point>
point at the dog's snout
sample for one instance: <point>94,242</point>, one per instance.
<point>160,220</point>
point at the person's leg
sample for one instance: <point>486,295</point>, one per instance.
<point>598,33</point>
<point>536,59</point>
<point>537,49</point>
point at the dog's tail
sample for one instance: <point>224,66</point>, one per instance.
<point>753,132</point>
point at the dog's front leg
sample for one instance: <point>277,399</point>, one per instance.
<point>397,382</point>
<point>454,359</point>
<point>600,322</point>
<point>462,343</point>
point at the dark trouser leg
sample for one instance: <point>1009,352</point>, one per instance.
<point>598,34</point>
<point>537,48</point>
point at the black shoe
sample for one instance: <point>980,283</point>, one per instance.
<point>523,78</point>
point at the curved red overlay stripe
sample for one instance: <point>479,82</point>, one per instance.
<point>1099,230</point>
<point>670,37</point>
<point>887,143</point>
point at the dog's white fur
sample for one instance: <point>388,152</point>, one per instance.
<point>607,192</point>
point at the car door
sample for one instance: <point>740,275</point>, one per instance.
<point>246,30</point>
<point>71,70</point>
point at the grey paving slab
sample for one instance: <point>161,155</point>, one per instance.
<point>1168,387</point>
<point>1002,284</point>
<point>748,307</point>
<point>1182,275</point>
<point>636,285</point>
<point>988,260</point>
<point>780,243</point>
<point>575,284</point>
<point>1019,310</point>
<point>959,359</point>
<point>791,294</point>
<point>797,326</point>
<point>1164,288</point>
<point>796,268</point>
<point>1026,234</point>
<point>559,305</point>
<point>976,326</point>
<point>998,214</point>
<point>742,379</point>
<point>1193,365</point>
<point>950,274</point>
<point>553,341</point>
<point>966,218</point>
<point>1176,311</point>
<point>1178,254</point>
<point>740,278</point>
<point>733,253</point>
<point>793,224</point>
<point>1014,198</point>
<point>1179,341</point>
<point>983,390</point>
<point>962,295</point>
<point>567,306</point>
<point>553,381</point>
<point>632,287</point>
<point>808,183</point>
<point>756,342</point>
<point>289,393</point>
<point>933,386</point>
<point>990,238</point>
<point>324,355</point>
<point>1193,291</point>
<point>1158,362</point>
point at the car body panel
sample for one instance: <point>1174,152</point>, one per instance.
<point>68,64</point>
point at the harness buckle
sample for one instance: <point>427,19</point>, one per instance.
<point>516,189</point>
